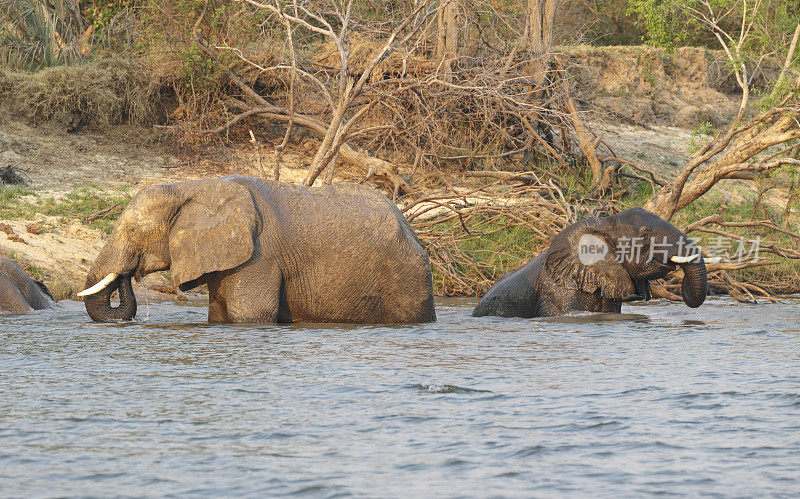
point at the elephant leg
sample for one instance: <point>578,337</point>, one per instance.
<point>611,306</point>
<point>251,293</point>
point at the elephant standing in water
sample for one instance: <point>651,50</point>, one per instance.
<point>18,292</point>
<point>595,265</point>
<point>269,252</point>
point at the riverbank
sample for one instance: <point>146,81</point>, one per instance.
<point>643,105</point>
<point>78,184</point>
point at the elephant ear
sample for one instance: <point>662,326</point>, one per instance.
<point>583,257</point>
<point>214,230</point>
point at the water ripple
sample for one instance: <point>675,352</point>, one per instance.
<point>659,400</point>
<point>446,389</point>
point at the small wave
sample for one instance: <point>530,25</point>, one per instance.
<point>411,467</point>
<point>632,391</point>
<point>96,477</point>
<point>308,490</point>
<point>404,418</point>
<point>604,424</point>
<point>454,461</point>
<point>507,474</point>
<point>664,445</point>
<point>529,450</point>
<point>279,435</point>
<point>246,390</point>
<point>783,395</point>
<point>705,407</point>
<point>433,388</point>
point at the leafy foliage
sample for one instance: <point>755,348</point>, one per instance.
<point>44,32</point>
<point>671,23</point>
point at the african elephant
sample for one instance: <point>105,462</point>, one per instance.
<point>18,292</point>
<point>269,252</point>
<point>595,265</point>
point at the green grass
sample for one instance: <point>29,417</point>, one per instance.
<point>785,272</point>
<point>638,192</point>
<point>12,204</point>
<point>80,203</point>
<point>491,250</point>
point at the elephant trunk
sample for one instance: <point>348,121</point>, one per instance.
<point>695,286</point>
<point>98,305</point>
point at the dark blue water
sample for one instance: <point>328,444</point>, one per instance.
<point>663,400</point>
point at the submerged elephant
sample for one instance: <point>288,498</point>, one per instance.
<point>595,265</point>
<point>269,252</point>
<point>18,292</point>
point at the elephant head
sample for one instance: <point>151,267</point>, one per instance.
<point>620,254</point>
<point>192,228</point>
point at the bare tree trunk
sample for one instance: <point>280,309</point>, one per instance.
<point>538,40</point>
<point>788,63</point>
<point>586,142</point>
<point>541,17</point>
<point>447,37</point>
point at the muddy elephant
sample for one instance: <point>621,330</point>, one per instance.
<point>595,265</point>
<point>18,292</point>
<point>269,252</point>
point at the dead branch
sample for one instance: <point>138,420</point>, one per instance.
<point>740,149</point>
<point>653,179</point>
<point>588,146</point>
<point>114,209</point>
<point>526,178</point>
<point>455,225</point>
<point>333,133</point>
<point>788,62</point>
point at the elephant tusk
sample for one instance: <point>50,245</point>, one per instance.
<point>100,285</point>
<point>684,259</point>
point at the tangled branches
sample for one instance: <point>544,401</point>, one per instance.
<point>478,118</point>
<point>475,234</point>
<point>395,88</point>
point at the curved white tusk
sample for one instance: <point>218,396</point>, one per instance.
<point>100,285</point>
<point>684,259</point>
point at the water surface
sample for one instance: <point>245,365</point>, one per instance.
<point>661,399</point>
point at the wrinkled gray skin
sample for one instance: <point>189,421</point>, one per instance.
<point>18,292</point>
<point>556,281</point>
<point>270,252</point>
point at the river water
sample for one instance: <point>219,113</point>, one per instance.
<point>661,399</point>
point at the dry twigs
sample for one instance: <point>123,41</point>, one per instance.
<point>396,87</point>
<point>474,235</point>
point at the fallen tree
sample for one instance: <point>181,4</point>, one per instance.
<point>748,149</point>
<point>745,151</point>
